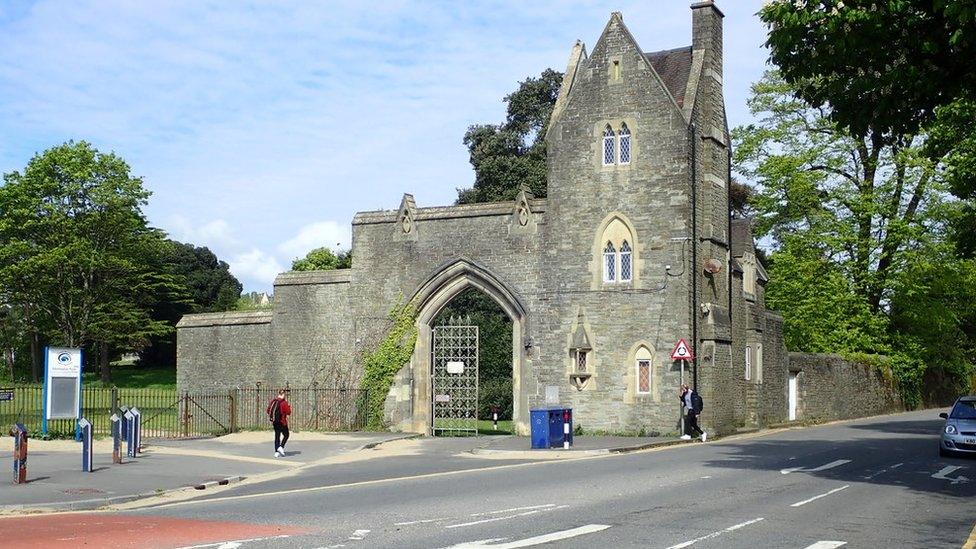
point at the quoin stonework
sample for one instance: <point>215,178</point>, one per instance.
<point>632,249</point>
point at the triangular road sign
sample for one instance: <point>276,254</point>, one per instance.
<point>682,351</point>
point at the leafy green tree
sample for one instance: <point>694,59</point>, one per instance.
<point>76,247</point>
<point>509,155</point>
<point>208,286</point>
<point>323,259</point>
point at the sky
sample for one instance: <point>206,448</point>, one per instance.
<point>261,128</point>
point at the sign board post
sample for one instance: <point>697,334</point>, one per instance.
<point>130,424</point>
<point>684,353</point>
<point>87,452</point>
<point>62,386</point>
<point>137,430</point>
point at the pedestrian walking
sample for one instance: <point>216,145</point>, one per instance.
<point>692,406</point>
<point>278,412</point>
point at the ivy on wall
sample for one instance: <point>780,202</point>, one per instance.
<point>382,365</point>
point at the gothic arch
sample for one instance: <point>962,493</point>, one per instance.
<point>433,295</point>
<point>616,228</point>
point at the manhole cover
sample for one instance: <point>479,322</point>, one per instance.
<point>83,491</point>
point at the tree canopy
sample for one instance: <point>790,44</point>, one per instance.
<point>508,155</point>
<point>323,259</point>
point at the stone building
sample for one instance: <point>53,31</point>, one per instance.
<point>633,249</point>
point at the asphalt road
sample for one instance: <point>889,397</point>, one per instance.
<point>871,483</point>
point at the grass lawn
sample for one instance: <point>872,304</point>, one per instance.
<point>131,376</point>
<point>504,427</point>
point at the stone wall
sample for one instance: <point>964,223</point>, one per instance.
<point>218,351</point>
<point>831,388</point>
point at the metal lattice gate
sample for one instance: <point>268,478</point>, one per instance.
<point>454,380</point>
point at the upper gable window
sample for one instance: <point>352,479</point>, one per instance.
<point>609,146</point>
<point>624,144</point>
<point>615,70</point>
<point>616,253</point>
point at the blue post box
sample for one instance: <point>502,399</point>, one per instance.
<point>552,427</point>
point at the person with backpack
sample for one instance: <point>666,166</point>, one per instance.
<point>278,412</point>
<point>692,405</point>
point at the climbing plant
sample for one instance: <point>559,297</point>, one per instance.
<point>381,365</point>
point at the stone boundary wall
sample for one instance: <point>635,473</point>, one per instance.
<point>831,388</point>
<point>222,350</point>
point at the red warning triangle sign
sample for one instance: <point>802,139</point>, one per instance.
<point>682,351</point>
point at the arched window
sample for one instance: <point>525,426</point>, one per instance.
<point>626,268</point>
<point>644,372</point>
<point>609,263</point>
<point>609,146</point>
<point>624,144</point>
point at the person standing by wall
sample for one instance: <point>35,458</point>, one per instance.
<point>692,405</point>
<point>278,412</point>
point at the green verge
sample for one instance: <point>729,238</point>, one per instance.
<point>382,365</point>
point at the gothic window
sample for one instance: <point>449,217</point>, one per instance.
<point>644,376</point>
<point>609,263</point>
<point>748,363</point>
<point>624,144</point>
<point>581,361</point>
<point>609,146</point>
<point>625,263</point>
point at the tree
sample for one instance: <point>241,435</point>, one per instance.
<point>323,259</point>
<point>208,286</point>
<point>512,154</point>
<point>77,250</point>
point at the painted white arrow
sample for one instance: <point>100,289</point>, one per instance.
<point>830,465</point>
<point>537,540</point>
<point>949,469</point>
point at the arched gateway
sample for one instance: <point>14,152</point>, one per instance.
<point>599,279</point>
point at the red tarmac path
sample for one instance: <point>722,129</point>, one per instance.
<point>112,530</point>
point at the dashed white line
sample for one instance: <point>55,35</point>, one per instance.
<point>513,509</point>
<point>815,498</point>
<point>716,534</point>
<point>231,543</point>
<point>358,535</point>
<point>885,470</point>
<point>507,517</point>
<point>537,540</point>
<point>827,545</point>
<point>425,521</point>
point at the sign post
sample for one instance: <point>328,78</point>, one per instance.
<point>116,438</point>
<point>684,353</point>
<point>130,424</point>
<point>62,386</point>
<point>137,430</point>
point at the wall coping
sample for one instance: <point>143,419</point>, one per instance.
<point>536,205</point>
<point>302,278</point>
<point>233,318</point>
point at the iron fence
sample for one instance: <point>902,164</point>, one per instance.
<point>167,413</point>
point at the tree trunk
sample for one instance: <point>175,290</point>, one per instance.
<point>37,364</point>
<point>103,362</point>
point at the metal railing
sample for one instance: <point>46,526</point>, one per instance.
<point>168,413</point>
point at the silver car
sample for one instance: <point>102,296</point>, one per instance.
<point>959,432</point>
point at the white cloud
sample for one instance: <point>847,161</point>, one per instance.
<point>256,265</point>
<point>330,234</point>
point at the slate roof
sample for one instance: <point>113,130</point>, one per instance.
<point>674,68</point>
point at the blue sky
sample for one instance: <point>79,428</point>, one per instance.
<point>262,127</point>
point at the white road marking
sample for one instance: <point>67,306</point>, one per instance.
<point>513,509</point>
<point>228,543</point>
<point>358,535</point>
<point>707,476</point>
<point>827,545</point>
<point>949,469</point>
<point>830,465</point>
<point>537,540</point>
<point>885,470</point>
<point>815,498</point>
<point>425,521</point>
<point>716,534</point>
<point>496,519</point>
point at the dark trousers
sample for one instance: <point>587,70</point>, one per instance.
<point>281,435</point>
<point>691,424</point>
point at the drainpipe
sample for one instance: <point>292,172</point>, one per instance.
<point>693,134</point>
<point>728,233</point>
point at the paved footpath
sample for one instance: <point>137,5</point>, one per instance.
<point>877,482</point>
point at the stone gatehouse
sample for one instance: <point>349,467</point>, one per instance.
<point>633,249</point>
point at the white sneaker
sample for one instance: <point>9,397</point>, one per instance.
<point>281,450</point>
<point>685,437</point>
<point>277,454</point>
<point>704,436</point>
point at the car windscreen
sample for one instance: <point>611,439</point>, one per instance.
<point>964,409</point>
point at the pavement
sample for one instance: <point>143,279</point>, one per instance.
<point>56,481</point>
<point>876,482</point>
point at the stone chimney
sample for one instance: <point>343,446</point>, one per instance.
<point>707,33</point>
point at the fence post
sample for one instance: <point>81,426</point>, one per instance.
<point>186,414</point>
<point>315,403</point>
<point>233,410</point>
<point>257,405</point>
<point>115,399</point>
